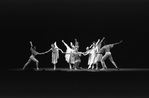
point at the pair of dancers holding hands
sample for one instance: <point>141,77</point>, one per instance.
<point>55,55</point>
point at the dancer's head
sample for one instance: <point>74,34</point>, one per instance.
<point>104,42</point>
<point>87,48</point>
<point>76,43</point>
<point>52,45</point>
<point>34,47</point>
<point>94,44</point>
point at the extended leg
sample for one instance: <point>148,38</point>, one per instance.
<point>112,61</point>
<point>77,64</point>
<point>37,65</point>
<point>96,65</point>
<point>26,63</point>
<point>93,66</point>
<point>70,66</point>
<point>98,58</point>
<point>89,66</point>
<point>35,60</point>
<point>103,65</point>
<point>103,60</point>
<point>74,66</point>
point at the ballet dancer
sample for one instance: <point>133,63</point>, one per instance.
<point>32,56</point>
<point>55,54</point>
<point>92,53</point>
<point>75,55</point>
<point>98,55</point>
<point>107,54</point>
<point>68,54</point>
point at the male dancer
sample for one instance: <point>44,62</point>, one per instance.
<point>32,56</point>
<point>106,49</point>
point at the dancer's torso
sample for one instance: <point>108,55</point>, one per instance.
<point>105,49</point>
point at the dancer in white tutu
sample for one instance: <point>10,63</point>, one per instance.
<point>75,55</point>
<point>68,54</point>
<point>98,55</point>
<point>92,54</point>
<point>55,54</point>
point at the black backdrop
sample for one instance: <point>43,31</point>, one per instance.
<point>45,22</point>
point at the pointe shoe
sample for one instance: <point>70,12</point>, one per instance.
<point>117,68</point>
<point>103,69</point>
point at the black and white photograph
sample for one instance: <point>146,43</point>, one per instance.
<point>74,48</point>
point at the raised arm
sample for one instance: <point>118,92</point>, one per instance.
<point>101,41</point>
<point>72,44</point>
<point>65,44</point>
<point>55,45</point>
<point>61,50</point>
<point>91,45</point>
<point>99,44</point>
<point>31,43</point>
<point>98,41</point>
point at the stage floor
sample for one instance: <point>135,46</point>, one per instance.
<point>82,69</point>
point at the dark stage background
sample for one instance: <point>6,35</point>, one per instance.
<point>45,21</point>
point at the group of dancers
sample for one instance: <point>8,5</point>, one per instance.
<point>97,53</point>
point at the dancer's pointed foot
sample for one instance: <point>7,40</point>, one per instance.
<point>89,68</point>
<point>54,68</point>
<point>117,68</point>
<point>103,68</point>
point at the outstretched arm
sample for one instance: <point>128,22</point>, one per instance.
<point>80,53</point>
<point>87,51</point>
<point>65,44</point>
<point>72,44</point>
<point>61,50</point>
<point>98,41</point>
<point>118,42</point>
<point>45,52</point>
<point>57,47</point>
<point>91,45</point>
<point>99,44</point>
<point>115,43</point>
<point>101,41</point>
<point>31,43</point>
